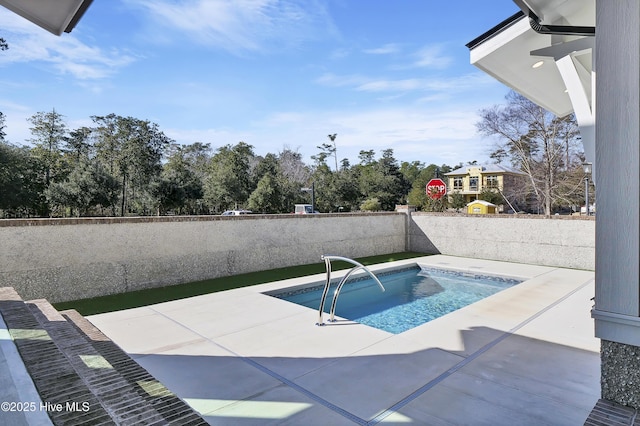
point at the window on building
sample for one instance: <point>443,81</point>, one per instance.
<point>492,181</point>
<point>457,183</point>
<point>473,183</point>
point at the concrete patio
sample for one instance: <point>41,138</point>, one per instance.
<point>524,356</point>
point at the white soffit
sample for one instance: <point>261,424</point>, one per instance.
<point>55,16</point>
<point>506,54</point>
<point>506,57</point>
<point>565,12</point>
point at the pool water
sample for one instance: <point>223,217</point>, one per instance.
<point>413,296</point>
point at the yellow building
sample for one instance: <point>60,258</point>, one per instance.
<point>471,181</point>
<point>481,207</point>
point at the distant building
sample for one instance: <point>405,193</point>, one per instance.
<point>481,207</point>
<point>471,181</point>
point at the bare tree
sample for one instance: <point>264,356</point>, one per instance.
<point>292,166</point>
<point>538,143</point>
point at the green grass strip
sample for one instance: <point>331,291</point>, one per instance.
<point>135,299</point>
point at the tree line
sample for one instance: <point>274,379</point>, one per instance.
<point>127,166</point>
<point>124,166</point>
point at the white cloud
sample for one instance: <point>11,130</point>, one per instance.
<point>67,54</point>
<point>333,80</point>
<point>432,57</point>
<point>17,126</point>
<point>384,50</point>
<point>216,137</point>
<point>239,25</point>
<point>13,106</point>
<point>340,53</point>
<point>392,85</point>
<point>445,86</point>
<point>428,135</point>
<point>433,134</point>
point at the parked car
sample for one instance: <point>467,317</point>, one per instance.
<point>236,212</point>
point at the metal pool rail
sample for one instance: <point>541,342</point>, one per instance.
<point>327,261</point>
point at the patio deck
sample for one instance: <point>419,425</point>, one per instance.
<point>524,356</point>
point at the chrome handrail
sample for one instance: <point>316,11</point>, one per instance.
<point>327,261</point>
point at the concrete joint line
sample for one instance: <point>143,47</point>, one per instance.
<point>278,377</point>
<point>472,357</point>
<point>412,396</point>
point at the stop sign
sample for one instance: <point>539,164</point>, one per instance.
<point>436,188</point>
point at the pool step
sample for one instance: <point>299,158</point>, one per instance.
<point>54,377</point>
<point>171,407</point>
<point>85,378</point>
<point>114,393</point>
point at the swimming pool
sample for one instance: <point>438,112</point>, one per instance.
<point>413,296</point>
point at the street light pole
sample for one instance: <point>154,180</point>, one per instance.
<point>586,193</point>
<point>586,167</point>
<point>312,190</point>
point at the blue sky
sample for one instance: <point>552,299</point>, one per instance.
<point>272,73</point>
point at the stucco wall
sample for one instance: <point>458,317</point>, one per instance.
<point>68,259</point>
<point>562,241</point>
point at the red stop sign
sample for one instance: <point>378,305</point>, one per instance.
<point>436,188</point>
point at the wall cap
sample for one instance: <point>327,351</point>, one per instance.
<point>159,219</point>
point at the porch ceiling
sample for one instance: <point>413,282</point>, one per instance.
<point>505,51</point>
<point>54,16</point>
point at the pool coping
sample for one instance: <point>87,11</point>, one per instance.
<point>353,281</point>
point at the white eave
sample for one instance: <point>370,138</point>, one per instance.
<point>509,51</point>
<point>55,16</point>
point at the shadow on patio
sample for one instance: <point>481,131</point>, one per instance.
<point>512,380</point>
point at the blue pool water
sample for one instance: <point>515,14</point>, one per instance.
<point>413,296</point>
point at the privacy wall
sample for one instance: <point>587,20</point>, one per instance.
<point>68,259</point>
<point>563,241</point>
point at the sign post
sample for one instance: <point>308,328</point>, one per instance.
<point>436,189</point>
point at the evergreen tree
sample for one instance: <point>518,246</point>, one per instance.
<point>228,183</point>
<point>50,132</point>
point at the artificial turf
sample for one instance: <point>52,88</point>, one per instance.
<point>134,299</point>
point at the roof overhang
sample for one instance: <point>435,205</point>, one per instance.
<point>525,60</point>
<point>55,16</point>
